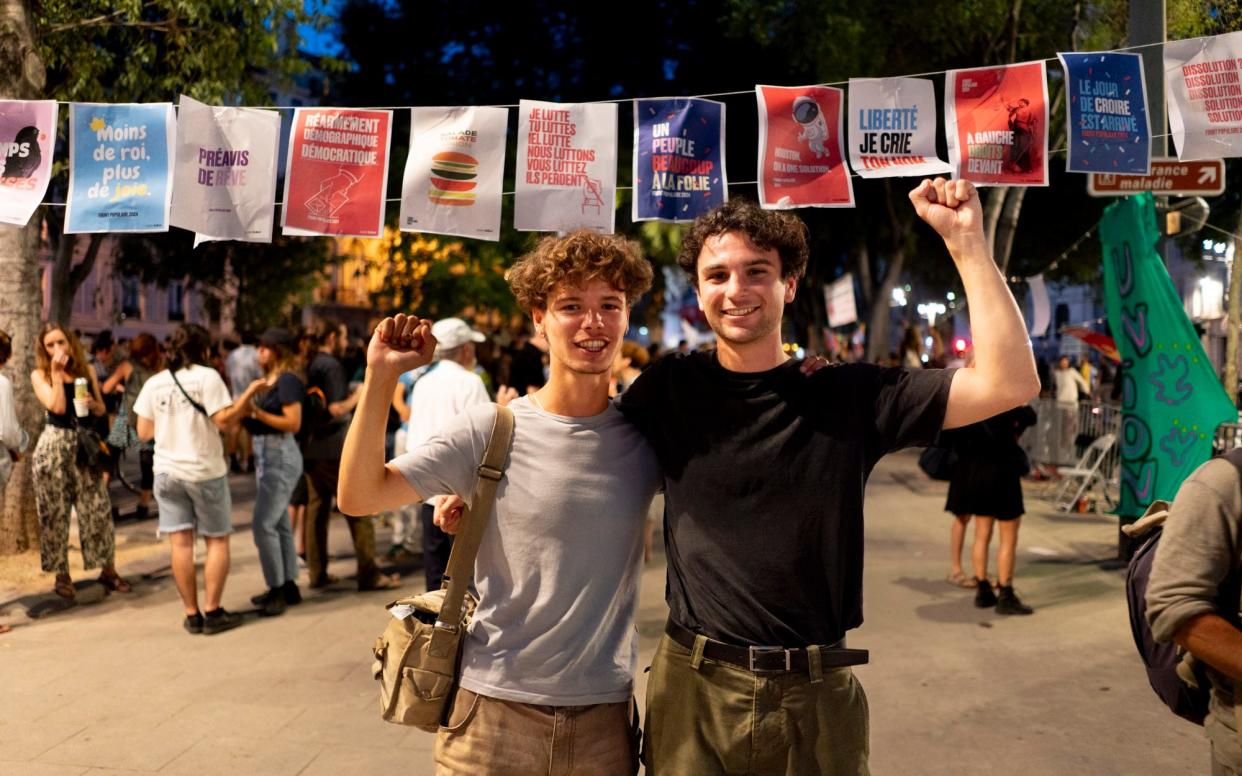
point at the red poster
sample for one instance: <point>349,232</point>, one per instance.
<point>336,179</point>
<point>801,159</point>
<point>997,124</point>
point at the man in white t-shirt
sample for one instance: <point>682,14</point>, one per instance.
<point>1068,388</point>
<point>548,661</point>
<point>184,408</point>
<point>440,395</point>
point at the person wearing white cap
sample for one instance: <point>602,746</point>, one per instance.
<point>439,396</point>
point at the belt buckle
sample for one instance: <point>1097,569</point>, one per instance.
<point>756,651</point>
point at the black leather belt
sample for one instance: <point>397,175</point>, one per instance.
<point>768,659</point>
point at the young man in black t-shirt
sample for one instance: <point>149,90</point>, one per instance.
<point>764,476</point>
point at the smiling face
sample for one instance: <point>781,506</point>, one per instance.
<point>740,289</point>
<point>584,326</point>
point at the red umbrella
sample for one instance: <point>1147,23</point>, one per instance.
<point>1101,342</point>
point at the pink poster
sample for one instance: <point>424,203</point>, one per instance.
<point>336,179</point>
<point>801,158</point>
<point>996,124</point>
<point>28,135</point>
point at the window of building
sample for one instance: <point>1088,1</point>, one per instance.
<point>176,301</point>
<point>131,297</point>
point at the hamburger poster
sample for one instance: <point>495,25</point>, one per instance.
<point>566,167</point>
<point>336,177</point>
<point>455,172</point>
<point>801,162</point>
<point>997,124</point>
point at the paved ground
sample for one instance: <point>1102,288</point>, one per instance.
<point>118,687</point>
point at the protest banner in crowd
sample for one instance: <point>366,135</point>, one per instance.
<point>120,160</point>
<point>224,179</point>
<point>28,132</point>
<point>801,161</point>
<point>1107,120</point>
<point>1205,95</point>
<point>455,172</point>
<point>678,158</point>
<point>892,128</point>
<point>566,167</point>
<point>336,178</point>
<point>996,124</point>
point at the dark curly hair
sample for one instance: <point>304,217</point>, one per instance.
<point>578,258</point>
<point>767,229</point>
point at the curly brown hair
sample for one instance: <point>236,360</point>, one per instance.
<point>578,258</point>
<point>767,229</point>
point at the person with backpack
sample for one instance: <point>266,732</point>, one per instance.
<point>183,410</point>
<point>1193,592</point>
<point>326,416</point>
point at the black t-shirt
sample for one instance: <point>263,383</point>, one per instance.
<point>764,477</point>
<point>328,375</point>
<point>288,390</point>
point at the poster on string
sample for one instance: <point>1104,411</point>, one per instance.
<point>566,167</point>
<point>336,176</point>
<point>224,179</point>
<point>28,134</point>
<point>1202,76</point>
<point>1107,121</point>
<point>996,124</point>
<point>455,172</point>
<point>801,160</point>
<point>120,160</point>
<point>892,128</point>
<point>678,158</point>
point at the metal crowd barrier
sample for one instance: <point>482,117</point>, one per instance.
<point>1063,432</point>
<point>1228,436</point>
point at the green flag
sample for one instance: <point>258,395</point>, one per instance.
<point>1171,399</point>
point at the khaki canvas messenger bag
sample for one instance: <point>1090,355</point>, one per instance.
<point>417,658</point>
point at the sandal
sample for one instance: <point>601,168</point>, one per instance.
<point>961,579</point>
<point>383,582</point>
<point>115,583</point>
<point>64,587</point>
<point>5,628</point>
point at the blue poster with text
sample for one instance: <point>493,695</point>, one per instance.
<point>1109,129</point>
<point>678,158</point>
<point>120,158</point>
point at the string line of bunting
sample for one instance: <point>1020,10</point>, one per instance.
<point>213,170</point>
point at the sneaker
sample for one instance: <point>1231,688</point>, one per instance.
<point>219,621</point>
<point>984,597</point>
<point>193,623</point>
<point>1009,603</point>
<point>291,594</point>
<point>271,603</point>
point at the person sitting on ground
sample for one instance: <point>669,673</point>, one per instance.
<point>184,409</point>
<point>63,481</point>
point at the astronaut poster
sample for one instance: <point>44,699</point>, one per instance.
<point>801,161</point>
<point>336,177</point>
<point>892,128</point>
<point>996,123</point>
<point>678,158</point>
<point>28,132</point>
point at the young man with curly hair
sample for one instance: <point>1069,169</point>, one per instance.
<point>764,474</point>
<point>549,658</point>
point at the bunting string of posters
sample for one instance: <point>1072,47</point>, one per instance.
<point>128,171</point>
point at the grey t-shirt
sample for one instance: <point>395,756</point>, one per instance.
<point>1200,549</point>
<point>558,567</point>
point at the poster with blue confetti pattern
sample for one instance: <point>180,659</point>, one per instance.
<point>1109,130</point>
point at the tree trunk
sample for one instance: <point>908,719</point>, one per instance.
<point>22,76</point>
<point>1007,228</point>
<point>1232,321</point>
<point>877,320</point>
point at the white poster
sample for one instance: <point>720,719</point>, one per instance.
<point>455,172</point>
<point>892,128</point>
<point>28,135</point>
<point>839,298</point>
<point>566,167</point>
<point>1041,307</point>
<point>224,179</point>
<point>1202,76</point>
